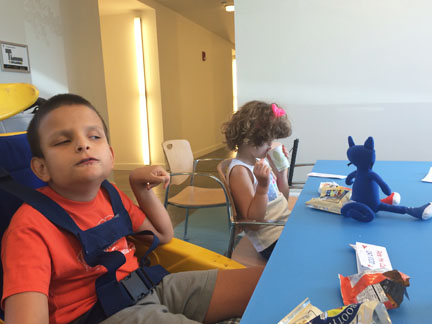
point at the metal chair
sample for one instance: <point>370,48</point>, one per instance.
<point>236,224</point>
<point>182,167</point>
<point>293,165</point>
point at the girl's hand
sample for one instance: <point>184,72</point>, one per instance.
<point>150,176</point>
<point>286,152</point>
<point>262,173</point>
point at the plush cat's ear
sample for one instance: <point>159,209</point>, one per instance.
<point>369,143</point>
<point>350,141</point>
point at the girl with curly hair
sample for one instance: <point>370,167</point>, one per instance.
<point>259,190</point>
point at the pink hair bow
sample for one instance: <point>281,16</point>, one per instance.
<point>278,112</point>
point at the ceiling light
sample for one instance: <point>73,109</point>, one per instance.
<point>229,8</point>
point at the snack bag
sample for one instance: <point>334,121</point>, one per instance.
<point>301,314</point>
<point>332,197</point>
<point>386,287</point>
<point>370,312</point>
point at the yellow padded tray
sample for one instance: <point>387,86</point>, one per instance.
<point>179,255</point>
<point>15,97</point>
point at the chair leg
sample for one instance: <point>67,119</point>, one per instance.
<point>231,241</point>
<point>186,225</point>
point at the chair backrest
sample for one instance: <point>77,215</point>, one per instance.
<point>15,159</point>
<point>222,168</point>
<point>179,156</point>
<point>292,162</point>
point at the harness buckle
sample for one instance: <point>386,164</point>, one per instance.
<point>135,286</point>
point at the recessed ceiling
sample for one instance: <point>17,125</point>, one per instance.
<point>209,14</point>
<point>115,7</point>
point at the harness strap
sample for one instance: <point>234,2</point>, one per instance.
<point>38,201</point>
<point>112,295</point>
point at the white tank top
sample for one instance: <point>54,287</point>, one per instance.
<point>277,210</point>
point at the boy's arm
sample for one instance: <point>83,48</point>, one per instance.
<point>250,202</point>
<point>157,219</point>
<point>26,308</point>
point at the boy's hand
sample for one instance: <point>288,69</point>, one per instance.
<point>262,173</point>
<point>151,176</point>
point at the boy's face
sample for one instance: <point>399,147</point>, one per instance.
<point>75,149</point>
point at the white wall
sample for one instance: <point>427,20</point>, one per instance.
<point>38,25</point>
<point>339,68</point>
<point>63,39</point>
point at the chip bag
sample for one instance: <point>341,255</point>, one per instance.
<point>332,197</point>
<point>386,287</point>
<point>370,312</point>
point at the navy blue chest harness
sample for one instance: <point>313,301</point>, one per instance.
<point>112,295</point>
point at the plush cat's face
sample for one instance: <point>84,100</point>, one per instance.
<point>362,156</point>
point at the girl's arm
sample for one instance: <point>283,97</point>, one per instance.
<point>157,219</point>
<point>27,308</point>
<point>282,181</point>
<point>250,202</point>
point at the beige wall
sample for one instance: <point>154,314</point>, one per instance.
<point>122,90</point>
<point>123,97</point>
<point>196,94</point>
<point>187,97</point>
<point>83,51</point>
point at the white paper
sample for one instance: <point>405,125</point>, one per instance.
<point>372,257</point>
<point>428,177</point>
<point>326,175</point>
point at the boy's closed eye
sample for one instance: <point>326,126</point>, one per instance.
<point>61,142</point>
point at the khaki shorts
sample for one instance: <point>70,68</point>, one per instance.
<point>182,297</point>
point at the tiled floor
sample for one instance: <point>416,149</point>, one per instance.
<point>121,179</point>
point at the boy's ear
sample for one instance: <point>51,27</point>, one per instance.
<point>39,168</point>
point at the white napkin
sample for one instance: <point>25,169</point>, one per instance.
<point>428,177</point>
<point>326,175</point>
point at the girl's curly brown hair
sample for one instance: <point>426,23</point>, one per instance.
<point>255,124</point>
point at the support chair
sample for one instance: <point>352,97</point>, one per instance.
<point>236,224</point>
<point>174,256</point>
<point>293,165</point>
<point>182,167</point>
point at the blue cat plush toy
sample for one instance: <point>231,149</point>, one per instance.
<point>365,201</point>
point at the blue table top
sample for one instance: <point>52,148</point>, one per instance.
<point>314,248</point>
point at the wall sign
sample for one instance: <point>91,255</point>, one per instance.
<point>14,57</point>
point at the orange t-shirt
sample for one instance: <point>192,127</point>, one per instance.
<point>39,257</point>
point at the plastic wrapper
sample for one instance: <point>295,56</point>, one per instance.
<point>332,197</point>
<point>302,314</point>
<point>387,287</point>
<point>370,312</point>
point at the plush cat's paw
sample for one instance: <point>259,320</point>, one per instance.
<point>427,212</point>
<point>393,199</point>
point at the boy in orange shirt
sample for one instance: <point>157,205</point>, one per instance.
<point>46,278</point>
